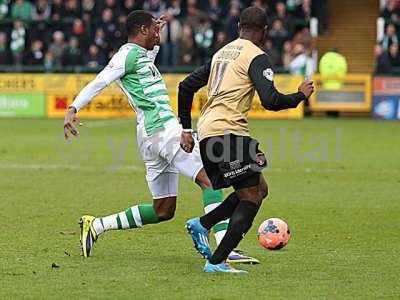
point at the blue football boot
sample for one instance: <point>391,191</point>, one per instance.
<point>199,236</point>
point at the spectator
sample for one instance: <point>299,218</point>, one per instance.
<point>391,12</point>
<point>94,58</point>
<point>303,11</point>
<point>22,10</point>
<point>387,61</point>
<point>170,39</point>
<point>57,10</point>
<point>3,9</point>
<point>155,7</point>
<point>287,54</point>
<point>113,5</point>
<point>194,15</point>
<point>221,41</point>
<point>120,33</point>
<point>278,34</point>
<point>49,63</point>
<point>57,48</point>
<point>72,10</point>
<point>108,25</point>
<point>79,31</point>
<point>214,11</point>
<point>383,64</point>
<point>130,5</point>
<point>304,37</point>
<point>41,11</point>
<point>394,56</point>
<point>17,44</point>
<point>4,52</point>
<point>203,37</point>
<point>186,46</point>
<point>301,63</point>
<point>35,55</point>
<point>273,53</point>
<point>88,7</point>
<point>100,40</point>
<point>390,37</point>
<point>73,54</point>
<point>175,8</point>
<point>195,29</point>
<point>281,14</point>
<point>232,23</point>
<point>260,4</point>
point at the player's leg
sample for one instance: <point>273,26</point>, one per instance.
<point>250,193</point>
<point>191,166</point>
<point>163,185</point>
<point>164,191</point>
<point>232,161</point>
<point>211,199</point>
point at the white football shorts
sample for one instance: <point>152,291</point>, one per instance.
<point>165,159</point>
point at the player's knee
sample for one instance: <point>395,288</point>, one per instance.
<point>202,180</point>
<point>263,188</point>
<point>240,224</point>
<point>166,214</point>
<point>165,208</point>
<point>263,192</point>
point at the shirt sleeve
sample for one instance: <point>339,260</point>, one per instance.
<point>262,76</point>
<point>113,71</point>
<point>187,88</point>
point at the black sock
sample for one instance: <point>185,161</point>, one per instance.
<point>221,212</point>
<point>240,222</point>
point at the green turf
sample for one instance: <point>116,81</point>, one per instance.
<point>336,182</point>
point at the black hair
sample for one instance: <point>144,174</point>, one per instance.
<point>136,19</point>
<point>253,18</point>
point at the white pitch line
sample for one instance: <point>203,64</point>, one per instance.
<point>107,123</point>
<point>50,167</point>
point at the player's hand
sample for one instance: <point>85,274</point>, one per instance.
<point>71,121</point>
<point>187,142</point>
<point>161,22</point>
<point>307,88</point>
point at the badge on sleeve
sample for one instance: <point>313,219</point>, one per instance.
<point>269,74</point>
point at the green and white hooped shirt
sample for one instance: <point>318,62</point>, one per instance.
<point>132,67</point>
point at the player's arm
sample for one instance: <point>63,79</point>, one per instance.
<point>113,71</point>
<point>187,88</point>
<point>261,75</point>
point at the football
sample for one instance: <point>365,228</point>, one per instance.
<point>273,234</point>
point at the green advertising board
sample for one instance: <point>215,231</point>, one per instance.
<point>22,104</point>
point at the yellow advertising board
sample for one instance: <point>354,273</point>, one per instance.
<point>60,90</point>
<point>351,93</point>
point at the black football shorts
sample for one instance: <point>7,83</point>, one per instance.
<point>232,160</point>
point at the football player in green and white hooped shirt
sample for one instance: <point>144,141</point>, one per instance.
<point>158,136</point>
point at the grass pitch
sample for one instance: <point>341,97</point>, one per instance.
<point>336,182</point>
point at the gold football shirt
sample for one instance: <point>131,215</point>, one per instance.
<point>230,91</point>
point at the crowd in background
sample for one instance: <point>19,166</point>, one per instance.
<point>386,51</point>
<point>56,33</point>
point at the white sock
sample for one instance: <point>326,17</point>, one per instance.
<point>101,225</point>
<point>219,236</point>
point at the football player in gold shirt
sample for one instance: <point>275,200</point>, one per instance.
<point>230,156</point>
